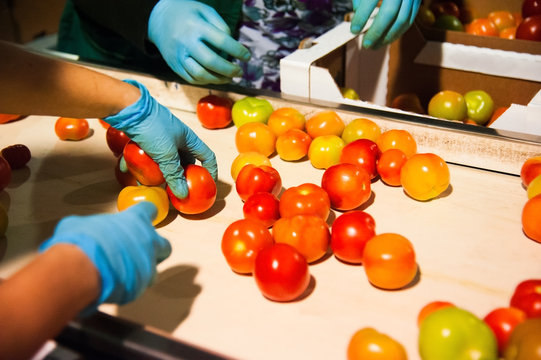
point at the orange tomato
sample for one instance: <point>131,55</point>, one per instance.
<point>369,344</point>
<point>496,114</point>
<point>531,218</point>
<point>502,19</point>
<point>250,157</point>
<point>361,128</point>
<point>425,176</point>
<point>390,165</point>
<point>508,33</point>
<point>71,128</point>
<point>325,123</point>
<point>242,241</point>
<point>397,139</point>
<point>408,102</point>
<point>255,136</point>
<point>293,144</point>
<point>5,118</point>
<point>131,195</point>
<point>389,261</point>
<point>305,199</point>
<point>284,119</point>
<point>483,27</point>
<point>104,124</point>
<point>324,151</point>
<point>430,308</point>
<point>309,234</point>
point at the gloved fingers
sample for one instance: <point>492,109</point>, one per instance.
<point>162,248</point>
<point>383,21</point>
<point>211,61</point>
<point>145,210</point>
<point>362,13</point>
<point>211,16</point>
<point>201,152</point>
<point>405,18</point>
<point>202,75</point>
<point>224,42</point>
<point>122,166</point>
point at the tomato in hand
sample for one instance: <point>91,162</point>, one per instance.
<point>502,321</point>
<point>142,166</point>
<point>17,155</point>
<point>397,139</point>
<point>389,261</point>
<point>326,122</point>
<point>293,145</point>
<point>201,191</point>
<point>325,151</point>
<point>448,105</point>
<point>281,272</point>
<point>370,344</point>
<point>214,112</point>
<point>284,119</point>
<point>363,153</point>
<point>390,165</point>
<point>527,297</point>
<point>262,206</point>
<point>124,178</point>
<point>347,185</point>
<point>305,199</point>
<point>531,218</point>
<point>116,140</point>
<point>349,234</point>
<point>253,179</point>
<point>255,136</point>
<point>131,195</point>
<point>243,159</point>
<point>430,308</point>
<point>525,342</point>
<point>530,169</point>
<point>71,128</point>
<point>425,176</point>
<point>309,234</point>
<point>241,242</point>
<point>5,173</point>
<point>361,128</point>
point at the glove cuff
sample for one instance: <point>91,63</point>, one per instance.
<point>135,113</point>
<point>98,258</point>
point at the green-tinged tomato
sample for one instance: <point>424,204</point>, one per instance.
<point>251,109</point>
<point>349,93</point>
<point>452,333</point>
<point>3,221</point>
<point>448,105</point>
<point>480,106</point>
<point>448,22</point>
<point>525,341</point>
<point>425,16</point>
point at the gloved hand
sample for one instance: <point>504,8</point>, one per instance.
<point>189,35</point>
<point>162,135</point>
<point>124,247</point>
<point>393,19</point>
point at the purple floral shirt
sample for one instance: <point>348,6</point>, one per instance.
<point>272,29</point>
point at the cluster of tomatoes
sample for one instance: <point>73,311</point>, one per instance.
<point>530,174</point>
<point>449,15</point>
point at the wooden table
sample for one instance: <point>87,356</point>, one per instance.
<point>469,244</point>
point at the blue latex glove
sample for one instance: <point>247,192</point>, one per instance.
<point>124,247</point>
<point>162,136</point>
<point>190,35</point>
<point>393,19</point>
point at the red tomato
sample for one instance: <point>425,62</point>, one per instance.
<point>5,173</point>
<point>17,155</point>
<point>364,153</point>
<point>142,166</point>
<point>131,195</point>
<point>347,185</point>
<point>444,7</point>
<point>527,297</point>
<point>201,191</point>
<point>530,28</point>
<point>483,27</point>
<point>309,234</point>
<point>530,8</point>
<point>116,140</point>
<point>214,112</point>
<point>430,308</point>
<point>349,234</point>
<point>262,206</point>
<point>71,128</point>
<point>281,272</point>
<point>531,218</point>
<point>253,179</point>
<point>530,169</point>
<point>241,242</point>
<point>502,321</point>
<point>389,261</point>
<point>389,166</point>
<point>369,344</point>
<point>305,199</point>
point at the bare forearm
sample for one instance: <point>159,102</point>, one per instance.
<point>36,85</point>
<point>39,300</point>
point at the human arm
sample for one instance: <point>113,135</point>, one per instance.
<point>88,261</point>
<point>393,19</point>
<point>37,85</point>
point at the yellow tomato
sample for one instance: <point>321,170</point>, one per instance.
<point>370,344</point>
<point>325,151</point>
<point>255,136</point>
<point>361,128</point>
<point>425,176</point>
<point>131,195</point>
<point>284,119</point>
<point>245,158</point>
